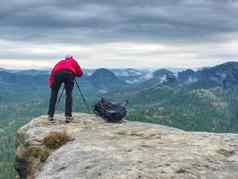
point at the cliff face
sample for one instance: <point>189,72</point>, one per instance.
<point>89,148</point>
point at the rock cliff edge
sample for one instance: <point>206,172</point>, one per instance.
<point>89,148</point>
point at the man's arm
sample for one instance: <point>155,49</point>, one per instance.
<point>78,69</point>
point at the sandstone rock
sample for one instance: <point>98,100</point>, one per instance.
<point>129,150</point>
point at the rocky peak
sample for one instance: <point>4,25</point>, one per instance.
<point>184,76</point>
<point>105,79</point>
<point>163,73</point>
<point>89,148</point>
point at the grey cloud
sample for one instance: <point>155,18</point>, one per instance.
<point>96,21</point>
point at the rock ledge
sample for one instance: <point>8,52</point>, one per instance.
<point>89,148</point>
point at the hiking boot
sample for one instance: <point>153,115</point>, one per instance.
<point>51,119</point>
<point>68,119</point>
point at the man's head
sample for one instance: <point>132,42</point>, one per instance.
<point>68,57</point>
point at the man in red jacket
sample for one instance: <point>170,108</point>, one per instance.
<point>65,72</point>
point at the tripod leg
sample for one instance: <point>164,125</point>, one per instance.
<point>83,98</point>
<point>62,92</point>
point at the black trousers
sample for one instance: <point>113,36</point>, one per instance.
<point>67,78</point>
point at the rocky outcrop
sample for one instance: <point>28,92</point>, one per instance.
<point>89,148</point>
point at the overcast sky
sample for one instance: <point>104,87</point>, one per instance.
<point>118,33</point>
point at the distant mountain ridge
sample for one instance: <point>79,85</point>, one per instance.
<point>104,79</point>
<point>221,75</point>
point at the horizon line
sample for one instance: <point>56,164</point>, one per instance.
<point>115,68</point>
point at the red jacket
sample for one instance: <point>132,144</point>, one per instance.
<point>67,64</point>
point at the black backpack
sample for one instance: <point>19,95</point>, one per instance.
<point>111,112</point>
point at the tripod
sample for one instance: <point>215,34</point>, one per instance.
<point>62,92</point>
<point>81,94</point>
